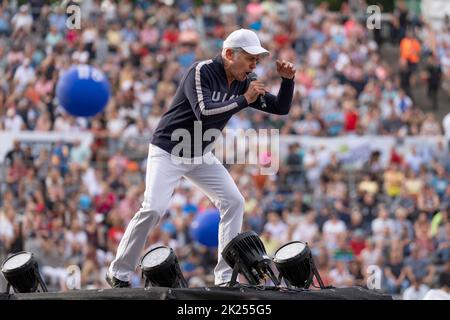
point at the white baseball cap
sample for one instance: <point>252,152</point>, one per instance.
<point>246,40</point>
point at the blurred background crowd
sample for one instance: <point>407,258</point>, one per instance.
<point>69,203</point>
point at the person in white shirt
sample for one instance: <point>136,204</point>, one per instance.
<point>446,126</point>
<point>13,122</point>
<point>23,19</point>
<point>276,227</point>
<point>307,229</point>
<point>76,236</point>
<point>402,102</point>
<point>416,291</point>
<point>437,294</point>
<point>340,276</point>
<point>332,228</point>
<point>62,123</point>
<point>443,293</point>
<point>371,254</point>
<point>311,162</point>
<point>24,74</point>
<point>6,228</point>
<point>413,159</point>
<point>380,224</point>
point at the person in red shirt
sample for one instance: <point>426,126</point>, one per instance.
<point>395,157</point>
<point>351,116</point>
<point>171,35</point>
<point>105,201</point>
<point>116,231</point>
<point>358,242</point>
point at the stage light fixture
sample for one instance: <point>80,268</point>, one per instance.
<point>22,273</point>
<point>160,268</point>
<point>296,265</point>
<point>246,255</point>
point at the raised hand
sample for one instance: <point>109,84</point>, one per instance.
<point>285,69</point>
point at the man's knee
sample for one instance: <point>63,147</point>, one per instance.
<point>150,212</point>
<point>236,202</point>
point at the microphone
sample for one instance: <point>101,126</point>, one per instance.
<point>252,77</point>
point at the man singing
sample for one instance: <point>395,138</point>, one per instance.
<point>210,92</point>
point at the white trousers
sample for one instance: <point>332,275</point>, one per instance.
<point>162,177</point>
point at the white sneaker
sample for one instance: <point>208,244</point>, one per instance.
<point>224,284</point>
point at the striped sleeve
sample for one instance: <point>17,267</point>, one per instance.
<point>198,90</point>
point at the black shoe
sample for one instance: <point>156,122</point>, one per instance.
<point>116,283</point>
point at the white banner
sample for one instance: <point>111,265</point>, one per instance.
<point>355,150</point>
<point>7,139</point>
<point>351,150</point>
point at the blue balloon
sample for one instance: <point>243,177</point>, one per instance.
<point>83,90</point>
<point>205,228</point>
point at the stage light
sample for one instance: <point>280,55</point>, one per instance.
<point>160,268</point>
<point>246,254</point>
<point>295,263</point>
<point>22,273</point>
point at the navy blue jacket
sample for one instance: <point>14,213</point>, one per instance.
<point>204,95</point>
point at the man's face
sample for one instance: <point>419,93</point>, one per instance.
<point>242,63</point>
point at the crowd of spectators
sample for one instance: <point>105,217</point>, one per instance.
<point>69,203</point>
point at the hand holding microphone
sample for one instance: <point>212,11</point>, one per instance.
<point>255,90</point>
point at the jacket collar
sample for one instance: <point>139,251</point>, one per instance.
<point>220,64</point>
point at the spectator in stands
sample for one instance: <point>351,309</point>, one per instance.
<point>306,229</point>
<point>419,266</point>
<point>400,21</point>
<point>434,79</point>
<point>340,275</point>
<point>332,228</point>
<point>428,201</point>
<point>395,271</point>
<point>430,127</point>
<point>443,243</point>
<point>416,291</point>
<point>442,292</point>
<point>410,49</point>
<point>383,225</point>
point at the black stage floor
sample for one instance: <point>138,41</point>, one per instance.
<point>209,293</point>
